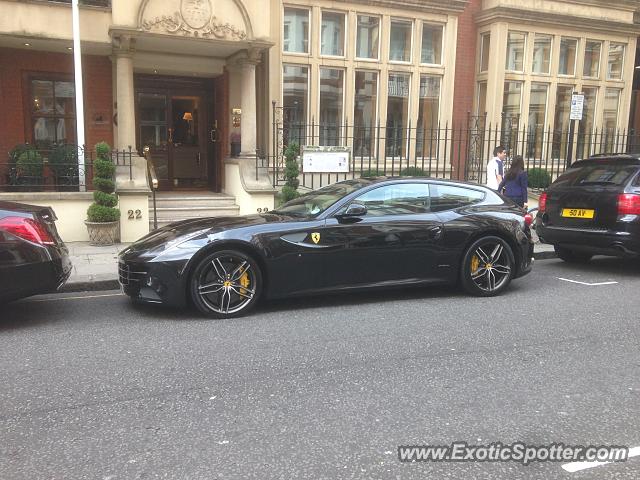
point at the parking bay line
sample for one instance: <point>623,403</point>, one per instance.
<point>597,284</point>
<point>577,466</point>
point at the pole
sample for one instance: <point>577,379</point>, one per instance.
<point>572,127</point>
<point>77,66</point>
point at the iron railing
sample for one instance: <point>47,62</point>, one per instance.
<point>55,168</point>
<point>438,150</point>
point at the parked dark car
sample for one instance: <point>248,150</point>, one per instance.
<point>593,209</point>
<point>384,232</point>
<point>33,257</point>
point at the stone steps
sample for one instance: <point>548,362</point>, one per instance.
<point>174,207</point>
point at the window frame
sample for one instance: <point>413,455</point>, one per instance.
<point>307,106</point>
<point>624,54</point>
<point>442,37</point>
<point>601,43</point>
<point>378,52</point>
<point>411,23</point>
<point>345,26</point>
<point>486,34</point>
<point>378,74</point>
<point>341,126</point>
<point>309,36</point>
<point>575,57</point>
<point>550,61</point>
<point>29,114</point>
<point>524,52</point>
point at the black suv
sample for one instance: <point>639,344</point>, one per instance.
<point>593,209</point>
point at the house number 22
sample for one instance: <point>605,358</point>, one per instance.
<point>135,214</point>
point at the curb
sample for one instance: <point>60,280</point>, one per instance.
<point>544,255</point>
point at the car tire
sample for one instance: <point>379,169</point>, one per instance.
<point>487,267</point>
<point>571,256</point>
<point>226,284</point>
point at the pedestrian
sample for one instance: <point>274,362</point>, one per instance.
<point>495,167</point>
<point>516,182</point>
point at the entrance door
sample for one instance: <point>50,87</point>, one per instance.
<point>173,123</point>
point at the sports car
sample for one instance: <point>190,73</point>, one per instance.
<point>356,234</point>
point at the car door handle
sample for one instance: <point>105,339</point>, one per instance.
<point>435,231</point>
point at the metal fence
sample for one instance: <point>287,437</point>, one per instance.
<point>55,168</point>
<point>438,150</point>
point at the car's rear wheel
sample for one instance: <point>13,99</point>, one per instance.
<point>572,256</point>
<point>226,284</point>
<point>487,267</point>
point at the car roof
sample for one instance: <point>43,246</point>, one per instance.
<point>382,179</point>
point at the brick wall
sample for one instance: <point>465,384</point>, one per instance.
<point>98,103</point>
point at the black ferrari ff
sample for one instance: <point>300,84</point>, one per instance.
<point>362,233</point>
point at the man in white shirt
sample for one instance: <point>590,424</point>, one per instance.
<point>495,167</point>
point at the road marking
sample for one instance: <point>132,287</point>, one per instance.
<point>585,283</point>
<point>577,466</point>
<point>77,298</point>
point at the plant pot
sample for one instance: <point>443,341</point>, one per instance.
<point>102,233</point>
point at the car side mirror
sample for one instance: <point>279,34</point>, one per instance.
<point>354,211</point>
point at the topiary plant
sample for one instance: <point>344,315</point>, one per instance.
<point>103,209</point>
<point>18,150</point>
<point>413,172</point>
<point>538,178</point>
<point>29,164</point>
<point>291,172</point>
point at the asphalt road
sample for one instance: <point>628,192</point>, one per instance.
<point>94,387</point>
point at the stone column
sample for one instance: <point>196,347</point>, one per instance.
<point>125,95</point>
<point>247,64</point>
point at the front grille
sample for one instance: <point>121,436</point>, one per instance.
<point>126,275</point>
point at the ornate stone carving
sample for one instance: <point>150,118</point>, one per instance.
<point>195,18</point>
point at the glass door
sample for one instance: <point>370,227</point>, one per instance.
<point>152,108</point>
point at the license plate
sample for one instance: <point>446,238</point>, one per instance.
<point>577,213</point>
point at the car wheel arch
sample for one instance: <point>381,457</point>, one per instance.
<point>493,233</point>
<point>238,245</point>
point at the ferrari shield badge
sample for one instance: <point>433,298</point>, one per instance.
<point>315,236</point>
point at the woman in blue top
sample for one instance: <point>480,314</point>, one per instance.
<point>515,182</point>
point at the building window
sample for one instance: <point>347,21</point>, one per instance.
<point>591,67</point>
<point>367,43</point>
<point>333,34</point>
<point>585,126</point>
<point>541,54</point>
<point>485,47</point>
<point>515,51</point>
<point>610,112</point>
<point>561,120</point>
<point>511,99</point>
<point>365,112</point>
<point>295,94</point>
<point>296,30</point>
<point>482,98</point>
<point>536,119</point>
<point>616,59</point>
<point>428,115</point>
<point>400,41</point>
<point>331,101</point>
<point>53,113</point>
<point>397,113</point>
<point>431,44</point>
<point>568,48</point>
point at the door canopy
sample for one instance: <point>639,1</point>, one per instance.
<point>214,19</point>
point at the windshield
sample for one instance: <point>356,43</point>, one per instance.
<point>314,203</point>
<point>597,173</point>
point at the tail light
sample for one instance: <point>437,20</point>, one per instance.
<point>542,202</point>
<point>528,219</point>
<point>628,204</point>
<point>27,229</point>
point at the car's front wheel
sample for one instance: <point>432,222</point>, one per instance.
<point>487,267</point>
<point>226,284</point>
<point>571,256</point>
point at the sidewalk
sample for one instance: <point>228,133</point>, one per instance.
<point>96,268</point>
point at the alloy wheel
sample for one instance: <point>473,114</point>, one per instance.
<point>490,265</point>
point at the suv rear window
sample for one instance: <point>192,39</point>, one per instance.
<point>597,173</point>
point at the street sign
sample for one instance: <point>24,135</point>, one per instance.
<point>325,159</point>
<point>577,105</point>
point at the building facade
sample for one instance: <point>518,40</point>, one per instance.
<point>213,89</point>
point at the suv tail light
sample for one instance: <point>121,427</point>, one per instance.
<point>628,204</point>
<point>27,229</point>
<point>542,202</point>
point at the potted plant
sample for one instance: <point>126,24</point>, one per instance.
<point>102,216</point>
<point>235,144</point>
<point>63,161</point>
<point>28,170</point>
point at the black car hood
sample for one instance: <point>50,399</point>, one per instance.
<point>206,225</point>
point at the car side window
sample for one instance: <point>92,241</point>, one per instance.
<point>449,197</point>
<point>396,199</point>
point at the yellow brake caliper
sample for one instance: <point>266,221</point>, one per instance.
<point>244,281</point>
<point>475,264</point>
